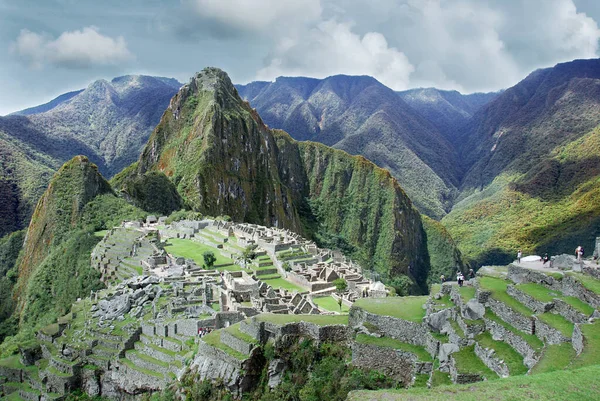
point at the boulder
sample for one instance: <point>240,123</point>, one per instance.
<point>437,320</point>
<point>563,262</point>
<point>473,310</point>
<point>445,351</point>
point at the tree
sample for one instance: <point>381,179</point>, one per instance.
<point>209,259</point>
<point>340,303</point>
<point>340,285</point>
<point>249,254</point>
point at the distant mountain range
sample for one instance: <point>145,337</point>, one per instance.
<point>502,171</point>
<point>397,131</point>
<point>109,122</point>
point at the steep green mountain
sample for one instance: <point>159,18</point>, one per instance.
<point>531,157</point>
<point>109,122</point>
<point>362,116</point>
<point>448,111</point>
<point>215,151</point>
<point>53,266</point>
<point>24,175</point>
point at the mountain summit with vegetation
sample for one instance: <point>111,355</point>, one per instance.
<point>213,153</point>
<point>109,122</point>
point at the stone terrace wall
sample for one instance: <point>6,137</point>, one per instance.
<point>549,334</point>
<point>403,330</point>
<point>577,340</point>
<point>498,332</point>
<point>520,275</point>
<point>400,365</point>
<point>529,301</point>
<point>488,357</point>
<point>504,312</point>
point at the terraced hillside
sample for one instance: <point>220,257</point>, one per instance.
<point>514,325</point>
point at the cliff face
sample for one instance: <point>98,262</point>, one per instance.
<point>58,211</point>
<point>222,159</point>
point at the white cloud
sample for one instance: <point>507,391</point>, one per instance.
<point>332,48</point>
<point>258,15</point>
<point>77,49</point>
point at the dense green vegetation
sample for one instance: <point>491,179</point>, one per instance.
<point>444,256</point>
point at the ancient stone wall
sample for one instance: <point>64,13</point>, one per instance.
<point>498,332</point>
<point>488,357</point>
<point>577,340</point>
<point>403,330</point>
<point>529,301</point>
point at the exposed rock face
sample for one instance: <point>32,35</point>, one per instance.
<point>72,187</point>
<point>223,160</point>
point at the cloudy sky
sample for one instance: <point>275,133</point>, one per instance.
<point>48,47</point>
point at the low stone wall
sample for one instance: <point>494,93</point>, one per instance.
<point>400,365</point>
<point>529,301</point>
<point>237,344</point>
<point>225,319</point>
<point>590,271</point>
<point>403,330</point>
<point>498,332</point>
<point>255,329</point>
<point>461,378</point>
<point>488,357</point>
<point>568,312</point>
<point>577,340</point>
<point>515,319</point>
<point>572,287</point>
<point>130,381</point>
<point>12,375</point>
<point>148,365</point>
<point>520,275</point>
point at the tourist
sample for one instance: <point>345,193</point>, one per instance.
<point>442,279</point>
<point>580,254</point>
<point>519,256</point>
<point>471,273</point>
<point>545,259</point>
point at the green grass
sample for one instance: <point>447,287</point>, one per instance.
<point>194,250</point>
<point>148,359</point>
<point>235,331</point>
<point>570,385</point>
<point>505,352</point>
<point>578,304</point>
<point>468,363</point>
<point>555,357</point>
<point>591,345</point>
<point>12,362</point>
<point>52,370</point>
<point>440,379</point>
<point>269,276</point>
<point>214,339</point>
<point>588,282</point>
<point>531,339</point>
<point>421,380</point>
<point>558,322</point>
<point>467,292</point>
<point>538,292</point>
<point>407,308</point>
<point>282,283</point>
<point>497,287</point>
<point>133,366</point>
<point>101,233</point>
<point>320,320</point>
<point>387,342</point>
<point>457,328</point>
<point>330,304</point>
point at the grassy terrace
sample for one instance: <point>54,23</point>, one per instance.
<point>387,342</point>
<point>497,287</point>
<point>468,363</point>
<point>467,292</point>
<point>531,339</point>
<point>194,250</point>
<point>235,331</point>
<point>591,348</point>
<point>555,357</point>
<point>505,352</point>
<point>330,304</point>
<point>588,282</point>
<point>214,339</point>
<point>283,283</point>
<point>12,362</point>
<point>544,294</point>
<point>407,308</point>
<point>321,320</point>
<point>558,322</point>
<point>570,385</point>
<point>133,366</point>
